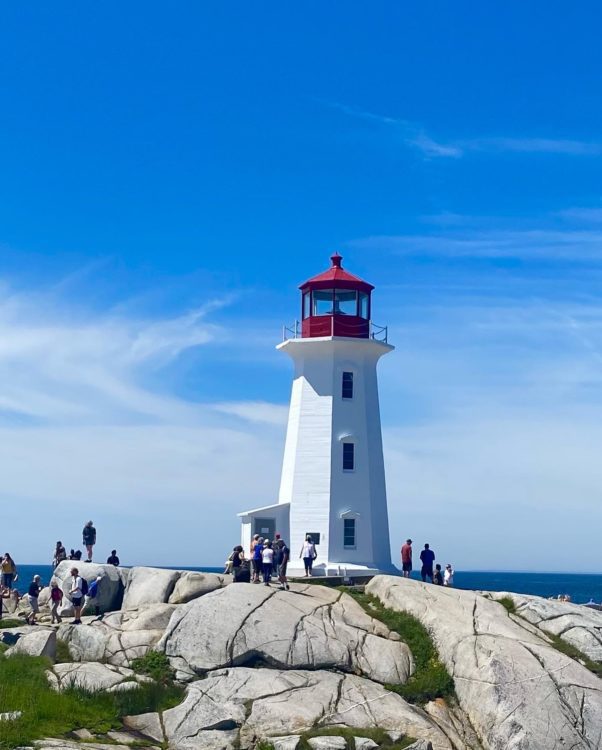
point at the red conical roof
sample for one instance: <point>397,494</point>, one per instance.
<point>336,276</point>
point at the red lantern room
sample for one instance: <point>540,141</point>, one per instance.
<point>335,303</point>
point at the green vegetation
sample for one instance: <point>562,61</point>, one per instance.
<point>431,679</point>
<point>378,735</point>
<point>508,603</point>
<point>156,665</point>
<point>11,623</point>
<point>46,713</point>
<point>574,653</point>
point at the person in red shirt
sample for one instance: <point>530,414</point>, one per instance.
<point>406,558</point>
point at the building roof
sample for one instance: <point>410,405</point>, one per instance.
<point>336,276</point>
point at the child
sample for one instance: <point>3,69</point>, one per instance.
<point>438,577</point>
<point>56,597</point>
<point>448,578</point>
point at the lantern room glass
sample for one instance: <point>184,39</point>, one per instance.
<point>322,301</point>
<point>345,302</point>
<point>363,305</point>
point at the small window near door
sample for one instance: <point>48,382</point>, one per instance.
<point>349,532</point>
<point>348,456</point>
<point>347,389</point>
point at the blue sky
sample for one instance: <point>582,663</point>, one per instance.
<point>170,175</point>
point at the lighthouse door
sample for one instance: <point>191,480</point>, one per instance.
<point>265,527</point>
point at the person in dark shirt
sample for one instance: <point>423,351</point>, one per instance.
<point>32,597</point>
<point>438,577</point>
<point>427,557</point>
<point>89,539</point>
<point>284,554</point>
<point>113,559</point>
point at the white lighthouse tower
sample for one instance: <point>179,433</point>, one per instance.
<point>333,479</point>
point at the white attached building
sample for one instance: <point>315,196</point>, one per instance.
<point>333,477</point>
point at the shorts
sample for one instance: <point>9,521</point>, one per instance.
<point>33,603</point>
<point>406,567</point>
<point>427,572</point>
<point>77,601</point>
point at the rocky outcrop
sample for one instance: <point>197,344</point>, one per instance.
<point>516,690</point>
<point>577,625</point>
<point>308,627</point>
<point>148,586</point>
<point>93,676</point>
<point>236,707</point>
<point>118,637</point>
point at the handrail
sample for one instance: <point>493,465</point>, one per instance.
<point>376,333</point>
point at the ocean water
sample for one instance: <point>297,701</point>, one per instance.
<point>581,587</point>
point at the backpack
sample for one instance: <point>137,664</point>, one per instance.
<point>84,587</point>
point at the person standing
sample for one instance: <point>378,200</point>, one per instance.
<point>267,559</point>
<point>76,592</point>
<point>448,576</point>
<point>56,598</point>
<point>427,557</point>
<point>89,539</point>
<point>257,547</point>
<point>9,571</point>
<point>113,559</point>
<point>406,558</point>
<point>309,554</point>
<point>32,597</point>
<point>238,567</point>
<point>92,595</point>
<point>60,554</point>
<point>283,557</point>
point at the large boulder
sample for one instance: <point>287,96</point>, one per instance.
<point>149,586</point>
<point>41,642</point>
<point>577,625</point>
<point>233,707</point>
<point>308,627</point>
<point>91,676</point>
<point>191,585</point>
<point>110,590</point>
<point>517,691</point>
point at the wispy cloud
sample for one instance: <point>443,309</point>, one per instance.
<point>411,134</point>
<point>415,136</point>
<point>534,244</point>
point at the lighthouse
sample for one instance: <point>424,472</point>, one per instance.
<point>332,485</point>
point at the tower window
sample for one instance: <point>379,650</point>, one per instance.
<point>363,305</point>
<point>322,302</point>
<point>349,532</point>
<point>347,389</point>
<point>348,456</point>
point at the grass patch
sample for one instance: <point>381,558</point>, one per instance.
<point>574,653</point>
<point>11,623</point>
<point>431,679</point>
<point>156,665</point>
<point>379,736</point>
<point>46,713</point>
<point>508,603</point>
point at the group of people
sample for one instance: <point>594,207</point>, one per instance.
<point>429,570</point>
<point>88,541</point>
<point>266,560</point>
<point>79,592</point>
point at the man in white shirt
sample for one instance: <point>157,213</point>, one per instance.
<point>77,595</point>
